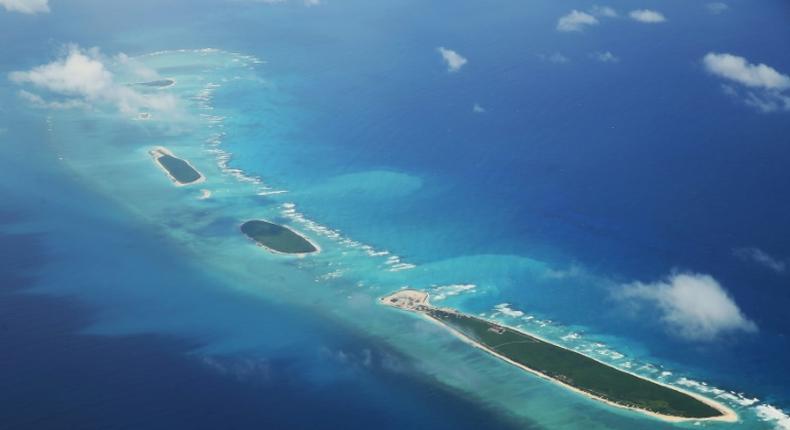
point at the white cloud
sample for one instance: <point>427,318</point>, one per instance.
<point>312,2</point>
<point>38,101</point>
<point>454,60</point>
<point>478,109</point>
<point>506,310</point>
<point>25,6</point>
<point>769,86</point>
<point>767,101</point>
<point>647,16</point>
<point>555,57</point>
<point>575,21</point>
<point>717,7</point>
<point>605,57</point>
<point>737,69</point>
<point>692,306</point>
<point>82,78</point>
<point>762,258</point>
<point>604,11</point>
<point>136,68</point>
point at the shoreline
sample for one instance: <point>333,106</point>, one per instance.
<point>152,84</point>
<point>159,151</point>
<point>274,251</point>
<point>727,414</point>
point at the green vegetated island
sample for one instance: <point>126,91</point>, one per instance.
<point>278,238</point>
<point>274,237</point>
<point>180,171</point>
<point>566,367</point>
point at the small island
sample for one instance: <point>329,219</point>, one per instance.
<point>277,238</point>
<point>160,83</point>
<point>569,368</point>
<point>179,171</point>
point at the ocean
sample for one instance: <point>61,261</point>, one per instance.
<point>532,186</point>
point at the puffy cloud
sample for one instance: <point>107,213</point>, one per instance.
<point>692,306</point>
<point>768,86</point>
<point>762,258</point>
<point>506,310</point>
<point>717,7</point>
<point>478,109</point>
<point>604,57</point>
<point>647,16</point>
<point>453,59</point>
<point>575,21</point>
<point>737,69</point>
<point>38,101</point>
<point>25,6</point>
<point>80,73</point>
<point>82,79</point>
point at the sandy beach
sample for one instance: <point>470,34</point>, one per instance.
<point>291,254</point>
<point>160,151</point>
<point>410,299</point>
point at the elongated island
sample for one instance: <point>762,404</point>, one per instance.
<point>160,83</point>
<point>278,238</point>
<point>566,367</point>
<point>178,170</point>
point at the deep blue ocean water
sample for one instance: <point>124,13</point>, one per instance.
<point>611,173</point>
<point>67,268</point>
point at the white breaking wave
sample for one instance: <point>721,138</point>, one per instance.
<point>601,351</point>
<point>331,275</point>
<point>393,263</point>
<point>730,396</point>
<point>203,99</point>
<point>774,415</point>
<point>442,292</point>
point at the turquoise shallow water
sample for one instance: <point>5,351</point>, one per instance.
<point>344,280</point>
<point>369,147</point>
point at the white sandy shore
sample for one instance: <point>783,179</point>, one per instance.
<point>172,83</point>
<point>420,297</point>
<point>159,151</point>
<point>292,254</point>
